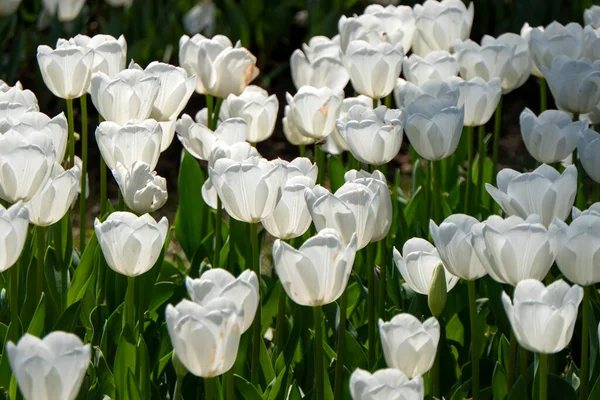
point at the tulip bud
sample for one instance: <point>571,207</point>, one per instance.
<point>66,70</point>
<point>64,10</point>
<point>588,149</point>
<point>319,65</point>
<point>200,141</point>
<point>110,54</point>
<point>436,299</point>
<point>142,189</point>
<point>13,223</point>
<point>200,19</point>
<point>292,132</point>
<point>591,16</point>
<point>314,111</point>
<point>437,65</point>
<point>16,94</point>
<point>490,60</point>
<point>387,383</point>
<point>479,98</point>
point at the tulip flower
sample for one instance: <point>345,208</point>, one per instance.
<point>526,35</point>
<point>519,66</point>
<point>417,263</point>
<point>373,69</point>
<point>292,132</point>
<point>16,94</point>
<point>119,3</point>
<point>319,64</point>
<point>591,16</point>
<point>490,60</point>
<point>409,345</point>
<point>479,98</point>
<point>8,7</point>
<point>220,68</point>
<point>25,164</point>
<point>437,65</point>
<point>13,222</point>
<point>385,384</point>
<point>135,141</point>
<point>36,122</point>
<point>592,209</point>
<point>452,240</point>
<point>544,192</point>
<point>352,209</point>
<point>50,368</point>
<point>143,190</point>
<point>434,126</point>
<point>219,283</point>
<point>440,24</point>
<point>14,110</point>
<point>53,200</point>
<point>131,245</point>
<point>552,136</point>
<point>291,217</point>
<point>249,189</point>
<point>374,136</point>
<point>378,184</point>
<point>64,10</point>
<point>588,150</point>
<point>257,108</point>
<point>109,53</point>
<point>543,318</point>
<point>513,249</point>
<point>314,111</point>
<point>67,70</point>
<point>317,273</point>
<point>406,92</point>
<point>335,143</point>
<point>200,18</point>
<point>205,338</point>
<point>575,84</point>
<point>131,94</point>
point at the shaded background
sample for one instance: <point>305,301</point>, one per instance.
<point>271,29</point>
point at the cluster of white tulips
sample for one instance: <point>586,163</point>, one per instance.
<point>324,214</point>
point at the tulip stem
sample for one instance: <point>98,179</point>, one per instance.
<point>319,370</point>
<point>375,103</point>
<point>435,375</point>
<point>120,202</point>
<point>178,387</point>
<point>427,194</point>
<point>543,95</point>
<point>209,106</point>
<point>255,366</point>
<point>371,302</point>
<point>302,150</point>
<point>474,339</point>
<point>436,173</point>
<point>339,366</point>
<point>279,329</point>
<point>543,374</point>
<point>41,251</point>
<point>229,385</point>
<point>481,164</point>
<point>14,295</point>
<point>496,143</point>
<point>512,360</point>
<point>320,160</point>
<point>218,239</point>
<point>209,388</point>
<point>469,174</point>
<point>585,343</point>
<point>103,197</point>
<point>382,277</point>
<point>523,355</point>
<point>131,302</point>
<point>71,159</point>
<point>84,163</point>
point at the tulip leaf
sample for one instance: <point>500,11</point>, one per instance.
<point>274,389</point>
<point>13,333</point>
<point>248,391</point>
<point>68,320</point>
<point>36,326</point>
<point>519,390</point>
<point>265,363</point>
<point>336,170</point>
<point>499,382</point>
<point>125,363</point>
<point>354,354</point>
<point>84,273</point>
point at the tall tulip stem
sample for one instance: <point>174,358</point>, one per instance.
<point>178,387</point>
<point>84,164</point>
<point>279,329</point>
<point>319,370</point>
<point>496,145</point>
<point>427,194</point>
<point>41,251</point>
<point>585,343</point>
<point>320,161</point>
<point>543,94</point>
<point>523,360</point>
<point>341,341</point>
<point>481,163</point>
<point>382,277</point>
<point>436,172</point>
<point>435,375</point>
<point>103,196</point>
<point>543,375</point>
<point>255,366</point>
<point>218,239</point>
<point>371,302</point>
<point>209,388</point>
<point>474,339</point>
<point>512,359</point>
<point>210,103</point>
<point>469,173</point>
<point>302,150</point>
<point>131,302</point>
<point>14,294</point>
<point>71,159</point>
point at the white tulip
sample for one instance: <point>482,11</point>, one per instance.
<point>67,70</point>
<point>519,66</point>
<point>409,345</point>
<point>317,273</point>
<point>387,383</point>
<point>514,249</point>
<point>440,24</point>
<point>543,318</point>
<point>16,94</point>
<point>526,35</point>
<point>490,60</point>
<point>373,69</point>
<point>13,223</point>
<point>53,200</point>
<point>314,111</point>
<point>552,136</point>
<point>292,132</point>
<point>417,263</point>
<point>479,98</point>
<point>135,141</point>
<point>588,149</point>
<point>205,338</point>
<point>110,53</point>
<point>544,192</point>
<point>591,16</point>
<point>220,68</point>
<point>319,64</point>
<point>131,245</point>
<point>437,65</point>
<point>364,27</point>
<point>257,108</point>
<point>593,209</point>
<point>50,368</point>
<point>406,92</point>
<point>15,110</point>
<point>374,136</point>
<point>131,94</point>
<point>8,7</point>
<point>335,143</point>
<point>219,283</point>
<point>398,22</point>
<point>64,10</point>
<point>201,141</point>
<point>143,190</point>
<point>200,18</point>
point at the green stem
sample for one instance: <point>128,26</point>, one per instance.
<point>215,120</point>
<point>302,150</point>
<point>209,106</point>
<point>371,302</point>
<point>375,103</point>
<point>41,251</point>
<point>382,277</point>
<point>279,329</point>
<point>103,196</point>
<point>120,202</point>
<point>469,173</point>
<point>543,94</point>
<point>474,339</point>
<point>480,164</point>
<point>543,371</point>
<point>84,164</point>
<point>229,385</point>
<point>320,161</point>
<point>14,295</point>
<point>585,344</point>
<point>523,361</point>
<point>512,360</point>
<point>436,189</point>
<point>218,238</point>
<point>388,101</point>
<point>427,195</point>
<point>255,366</point>
<point>496,145</point>
<point>339,366</point>
<point>209,388</point>
<point>71,139</point>
<point>435,375</point>
<point>131,302</point>
<point>319,370</point>
<point>178,387</point>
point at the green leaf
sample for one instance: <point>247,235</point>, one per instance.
<point>519,390</point>
<point>499,382</point>
<point>265,363</point>
<point>247,390</point>
<point>69,319</point>
<point>125,363</point>
<point>36,326</point>
<point>274,388</point>
<point>84,273</point>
